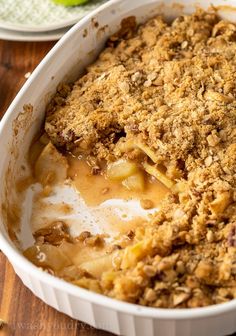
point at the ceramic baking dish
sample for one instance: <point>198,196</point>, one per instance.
<point>66,61</point>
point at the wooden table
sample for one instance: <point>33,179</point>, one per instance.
<point>25,314</point>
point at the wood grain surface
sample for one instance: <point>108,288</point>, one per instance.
<point>25,314</point>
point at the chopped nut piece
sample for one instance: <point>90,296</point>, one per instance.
<point>150,295</point>
<point>184,44</point>
<point>211,95</point>
<point>180,268</point>
<point>232,236</point>
<point>146,204</point>
<point>96,170</point>
<point>179,213</point>
<point>130,234</point>
<point>136,76</point>
<point>180,298</point>
<point>210,236</point>
<point>220,203</point>
<point>203,270</point>
<point>105,191</point>
<point>55,233</point>
<point>152,76</point>
<point>213,139</point>
<point>224,271</point>
<point>97,241</point>
<point>208,161</point>
<point>149,270</point>
<point>124,86</point>
<point>147,83</point>
<point>83,235</point>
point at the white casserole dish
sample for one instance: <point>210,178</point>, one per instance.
<point>66,60</point>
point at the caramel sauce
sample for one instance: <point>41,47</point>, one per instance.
<point>116,222</point>
<point>121,226</point>
<point>96,189</point>
<point>116,219</point>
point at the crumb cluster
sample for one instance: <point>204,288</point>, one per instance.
<point>172,87</point>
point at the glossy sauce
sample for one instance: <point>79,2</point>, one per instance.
<point>107,203</point>
<point>96,189</point>
<point>114,219</point>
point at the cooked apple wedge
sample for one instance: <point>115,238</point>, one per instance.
<point>121,169</point>
<point>157,173</point>
<point>134,182</point>
<point>97,266</point>
<point>47,256</point>
<point>51,166</point>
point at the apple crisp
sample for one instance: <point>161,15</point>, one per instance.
<point>159,101</point>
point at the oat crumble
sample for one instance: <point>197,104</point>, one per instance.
<point>172,88</point>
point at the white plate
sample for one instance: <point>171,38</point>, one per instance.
<point>41,15</point>
<point>12,35</point>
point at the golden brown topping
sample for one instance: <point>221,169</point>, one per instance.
<point>160,99</point>
<point>232,236</point>
<point>179,298</point>
<point>204,270</point>
<point>150,295</point>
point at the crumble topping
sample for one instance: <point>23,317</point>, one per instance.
<point>172,88</point>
